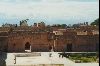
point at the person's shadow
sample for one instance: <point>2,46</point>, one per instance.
<point>3,57</point>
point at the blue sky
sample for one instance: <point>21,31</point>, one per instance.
<point>49,11</point>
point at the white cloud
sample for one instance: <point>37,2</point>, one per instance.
<point>48,9</point>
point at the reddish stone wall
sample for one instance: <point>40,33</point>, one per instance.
<point>15,41</point>
<point>3,43</point>
<point>85,43</point>
<point>38,41</point>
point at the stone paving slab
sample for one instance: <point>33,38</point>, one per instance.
<point>43,59</point>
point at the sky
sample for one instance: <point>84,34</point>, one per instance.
<point>49,11</point>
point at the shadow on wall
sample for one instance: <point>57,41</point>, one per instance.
<point>3,57</point>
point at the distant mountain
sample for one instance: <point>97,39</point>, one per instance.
<point>96,22</point>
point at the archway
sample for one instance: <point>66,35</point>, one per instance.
<point>51,49</point>
<point>28,47</point>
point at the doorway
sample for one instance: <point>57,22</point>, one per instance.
<point>69,47</point>
<point>28,47</point>
<point>51,49</point>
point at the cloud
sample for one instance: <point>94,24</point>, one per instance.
<point>50,1</point>
<point>56,9</point>
<point>49,9</point>
<point>83,0</point>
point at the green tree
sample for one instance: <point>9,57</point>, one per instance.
<point>63,25</point>
<point>96,22</point>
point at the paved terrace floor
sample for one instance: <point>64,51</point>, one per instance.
<point>43,59</point>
